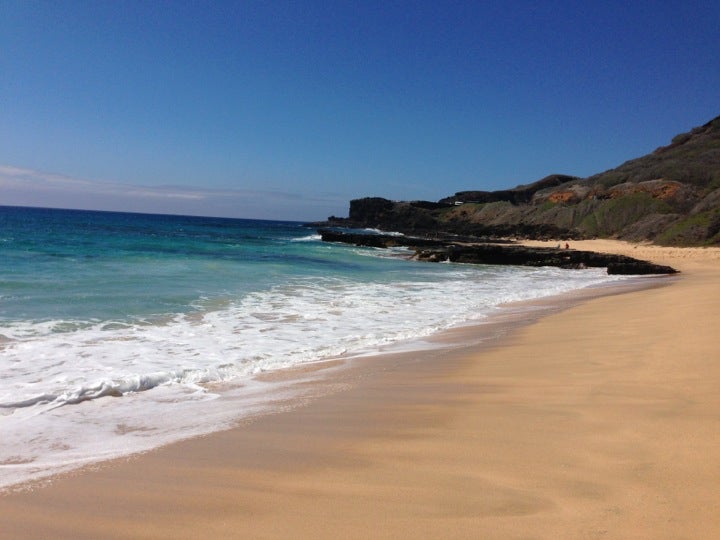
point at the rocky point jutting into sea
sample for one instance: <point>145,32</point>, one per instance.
<point>435,250</point>
<point>668,197</point>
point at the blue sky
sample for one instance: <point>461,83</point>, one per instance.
<point>289,109</point>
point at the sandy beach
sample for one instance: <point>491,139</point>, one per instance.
<point>601,420</point>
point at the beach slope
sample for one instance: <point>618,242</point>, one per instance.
<point>601,420</point>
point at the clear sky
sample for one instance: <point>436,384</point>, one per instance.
<point>289,109</point>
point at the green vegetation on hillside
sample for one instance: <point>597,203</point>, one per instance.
<point>670,196</point>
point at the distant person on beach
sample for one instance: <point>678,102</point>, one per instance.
<point>567,246</point>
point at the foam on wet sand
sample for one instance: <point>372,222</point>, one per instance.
<point>599,420</point>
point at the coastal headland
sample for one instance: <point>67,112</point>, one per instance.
<point>598,419</point>
<point>669,197</point>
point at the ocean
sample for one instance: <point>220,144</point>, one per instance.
<point>122,332</point>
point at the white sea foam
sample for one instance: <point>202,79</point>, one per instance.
<point>82,392</point>
<point>385,233</point>
<point>308,238</point>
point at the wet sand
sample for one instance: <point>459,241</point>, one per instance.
<point>601,420</point>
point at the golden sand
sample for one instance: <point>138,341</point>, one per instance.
<point>598,421</point>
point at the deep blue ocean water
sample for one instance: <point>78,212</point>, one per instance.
<point>110,320</point>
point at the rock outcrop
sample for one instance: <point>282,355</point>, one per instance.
<point>437,250</point>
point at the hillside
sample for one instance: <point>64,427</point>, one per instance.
<point>670,197</point>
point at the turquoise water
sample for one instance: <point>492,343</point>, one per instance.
<point>112,319</point>
<point>100,265</point>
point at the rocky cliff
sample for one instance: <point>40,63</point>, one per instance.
<point>671,197</point>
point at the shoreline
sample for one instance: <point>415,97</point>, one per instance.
<point>292,387</point>
<point>598,418</point>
